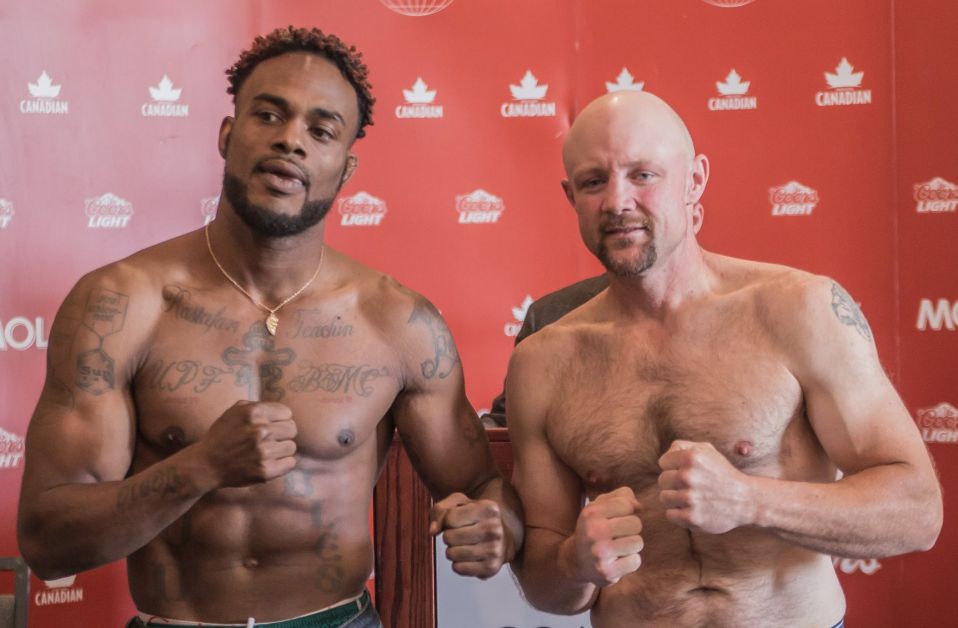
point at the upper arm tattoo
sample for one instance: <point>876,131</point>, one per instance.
<point>104,315</point>
<point>445,357</point>
<point>848,311</point>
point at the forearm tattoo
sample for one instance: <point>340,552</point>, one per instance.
<point>848,311</point>
<point>445,357</point>
<point>163,483</point>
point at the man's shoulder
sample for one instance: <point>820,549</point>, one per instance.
<point>142,272</point>
<point>788,300</point>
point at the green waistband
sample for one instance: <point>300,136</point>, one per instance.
<point>329,618</point>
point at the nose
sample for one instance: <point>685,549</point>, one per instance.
<point>618,196</point>
<point>289,139</point>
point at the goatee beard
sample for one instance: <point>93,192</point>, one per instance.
<point>272,224</point>
<point>627,268</point>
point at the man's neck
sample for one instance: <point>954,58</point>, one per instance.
<point>684,275</point>
<point>270,268</point>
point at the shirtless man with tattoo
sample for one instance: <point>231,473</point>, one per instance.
<point>217,407</point>
<point>728,421</point>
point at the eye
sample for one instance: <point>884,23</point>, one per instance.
<point>321,133</point>
<point>644,175</point>
<point>267,116</point>
<point>591,183</point>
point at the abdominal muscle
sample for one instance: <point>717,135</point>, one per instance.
<point>745,577</point>
<point>255,552</point>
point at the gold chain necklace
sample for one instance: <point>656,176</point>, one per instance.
<point>272,321</point>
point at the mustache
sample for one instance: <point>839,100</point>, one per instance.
<point>624,222</point>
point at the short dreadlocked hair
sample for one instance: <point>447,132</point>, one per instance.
<point>289,39</point>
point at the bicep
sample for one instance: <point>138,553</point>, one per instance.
<point>550,491</point>
<point>852,406</point>
<point>82,427</point>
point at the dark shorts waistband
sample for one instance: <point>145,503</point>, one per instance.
<point>329,618</point>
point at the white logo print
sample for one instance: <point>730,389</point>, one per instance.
<point>419,102</point>
<point>729,4</point>
<point>527,103</point>
<point>479,207</point>
<point>6,213</point>
<point>11,449</point>
<point>792,199</point>
<point>416,8</point>
<point>733,94</point>
<point>108,212</point>
<point>844,84</point>
<point>939,424</point>
<point>208,208</point>
<point>512,328</point>
<point>59,591</point>
<point>361,210</point>
<point>937,315</point>
<point>20,333</point>
<point>936,196</point>
<point>165,104</point>
<point>624,82</point>
<point>851,565</point>
<point>44,94</point>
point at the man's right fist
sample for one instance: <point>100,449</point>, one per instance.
<point>251,442</point>
<point>607,540</point>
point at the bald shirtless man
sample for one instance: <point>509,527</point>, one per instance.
<point>217,407</point>
<point>706,406</point>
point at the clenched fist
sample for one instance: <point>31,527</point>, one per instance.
<point>606,539</point>
<point>251,442</point>
<point>701,490</point>
<point>474,534</point>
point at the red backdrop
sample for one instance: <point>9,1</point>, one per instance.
<point>832,147</point>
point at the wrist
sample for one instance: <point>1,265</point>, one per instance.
<point>755,506</point>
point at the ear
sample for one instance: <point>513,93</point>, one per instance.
<point>698,178</point>
<point>567,188</point>
<point>698,217</point>
<point>352,162</point>
<point>226,127</point>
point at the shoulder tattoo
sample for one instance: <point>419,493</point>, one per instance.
<point>445,356</point>
<point>848,311</point>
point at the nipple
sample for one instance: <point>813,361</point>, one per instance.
<point>743,447</point>
<point>174,437</point>
<point>346,438</point>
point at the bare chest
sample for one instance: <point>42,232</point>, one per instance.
<point>329,367</point>
<point>621,405</point>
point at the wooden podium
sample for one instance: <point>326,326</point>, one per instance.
<point>405,553</point>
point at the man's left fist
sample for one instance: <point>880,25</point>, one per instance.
<point>474,534</point>
<point>701,490</point>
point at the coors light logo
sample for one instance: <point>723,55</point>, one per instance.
<point>792,199</point>
<point>6,213</point>
<point>108,212</point>
<point>936,197</point>
<point>479,207</point>
<point>361,210</point>
<point>11,449</point>
<point>939,424</point>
